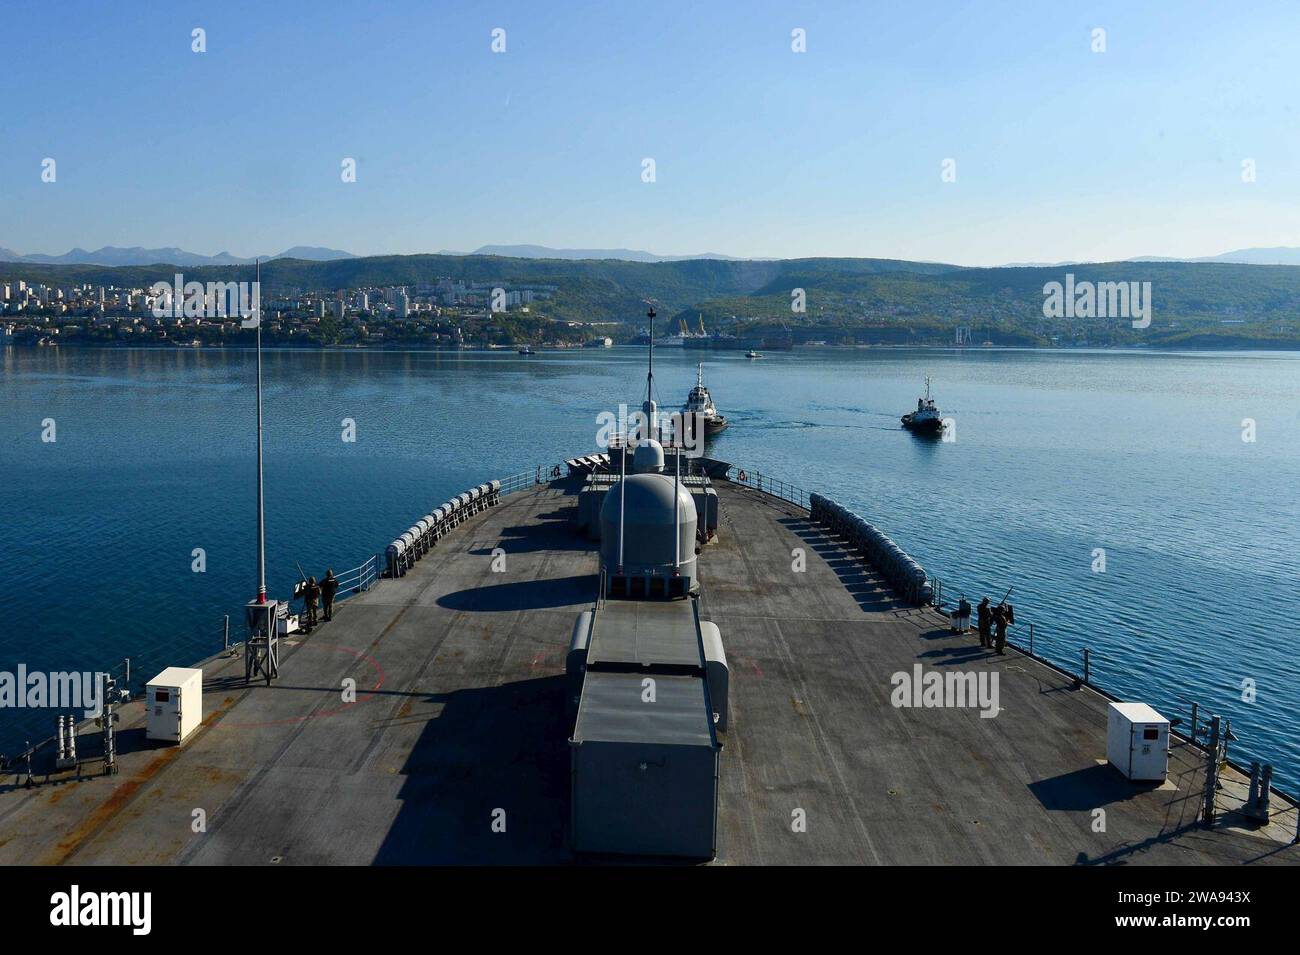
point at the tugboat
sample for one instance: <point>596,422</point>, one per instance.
<point>527,350</point>
<point>700,404</point>
<point>925,419</point>
<point>753,354</point>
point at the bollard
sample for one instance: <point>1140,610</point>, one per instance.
<point>65,756</point>
<point>1265,790</point>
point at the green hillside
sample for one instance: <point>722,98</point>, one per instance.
<point>1200,303</point>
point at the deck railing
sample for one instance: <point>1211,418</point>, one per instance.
<point>358,579</point>
<point>790,493</point>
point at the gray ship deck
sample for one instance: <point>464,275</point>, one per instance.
<point>460,712</point>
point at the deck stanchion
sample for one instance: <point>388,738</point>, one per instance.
<point>1211,774</point>
<point>1265,791</point>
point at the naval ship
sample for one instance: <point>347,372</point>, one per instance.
<point>639,652</point>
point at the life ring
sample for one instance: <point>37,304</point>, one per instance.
<point>743,477</point>
<point>555,471</point>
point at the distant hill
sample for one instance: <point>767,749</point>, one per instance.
<point>136,255</point>
<point>314,253</point>
<point>1281,255</point>
<point>1202,304</point>
<point>625,255</point>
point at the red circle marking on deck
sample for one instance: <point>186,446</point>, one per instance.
<point>323,714</point>
<point>544,656</point>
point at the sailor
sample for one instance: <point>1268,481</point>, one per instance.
<point>310,597</point>
<point>985,623</point>
<point>1001,613</point>
<point>329,586</point>
<point>961,621</point>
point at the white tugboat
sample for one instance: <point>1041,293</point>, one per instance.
<point>700,403</point>
<point>926,418</point>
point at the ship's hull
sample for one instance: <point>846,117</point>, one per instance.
<point>709,425</point>
<point>927,426</point>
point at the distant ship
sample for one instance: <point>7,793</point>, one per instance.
<point>700,403</point>
<point>752,354</point>
<point>527,350</point>
<point>925,419</point>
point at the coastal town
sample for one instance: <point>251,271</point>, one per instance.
<point>447,313</point>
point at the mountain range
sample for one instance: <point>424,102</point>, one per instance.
<point>1278,255</point>
<point>625,255</point>
<point>136,255</point>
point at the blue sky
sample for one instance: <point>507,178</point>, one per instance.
<point>1061,153</point>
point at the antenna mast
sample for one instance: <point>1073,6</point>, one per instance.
<point>261,511</point>
<point>649,408</point>
<point>650,374</point>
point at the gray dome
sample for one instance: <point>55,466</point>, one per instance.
<point>648,456</point>
<point>649,500</point>
<point>648,520</point>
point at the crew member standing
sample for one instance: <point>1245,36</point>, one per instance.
<point>962,618</point>
<point>985,623</point>
<point>1000,620</point>
<point>311,596</point>
<point>328,588</point>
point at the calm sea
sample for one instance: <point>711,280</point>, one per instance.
<point>1058,456</point>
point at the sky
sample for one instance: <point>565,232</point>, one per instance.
<point>1060,153</point>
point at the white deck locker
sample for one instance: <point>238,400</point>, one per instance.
<point>174,704</point>
<point>1137,742</point>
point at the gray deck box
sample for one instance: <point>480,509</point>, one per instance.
<point>645,774</point>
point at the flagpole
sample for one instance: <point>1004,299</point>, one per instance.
<point>261,510</point>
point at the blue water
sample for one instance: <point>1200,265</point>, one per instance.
<point>1056,454</point>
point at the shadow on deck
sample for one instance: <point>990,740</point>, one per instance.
<point>491,748</point>
<point>525,595</point>
<point>868,588</point>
